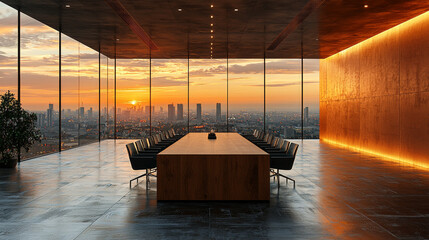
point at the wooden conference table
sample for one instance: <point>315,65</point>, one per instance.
<point>198,168</point>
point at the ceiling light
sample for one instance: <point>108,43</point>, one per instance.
<point>211,24</point>
<point>212,44</point>
<point>236,10</point>
<point>67,5</point>
<point>211,16</point>
<point>179,9</point>
<point>211,48</point>
<point>365,6</point>
<point>211,5</point>
<point>211,36</point>
<point>211,30</point>
<point>117,39</point>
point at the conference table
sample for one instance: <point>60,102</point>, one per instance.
<point>227,168</point>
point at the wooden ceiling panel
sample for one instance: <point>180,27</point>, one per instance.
<point>334,26</point>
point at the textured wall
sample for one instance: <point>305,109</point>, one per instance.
<point>374,96</point>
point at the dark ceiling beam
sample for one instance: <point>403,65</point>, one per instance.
<point>309,8</point>
<point>122,12</point>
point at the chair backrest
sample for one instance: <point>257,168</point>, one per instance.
<point>139,146</point>
<point>148,142</point>
<point>163,136</point>
<point>152,140</point>
<point>132,151</point>
<point>255,132</point>
<point>293,148</point>
<point>170,133</point>
<point>144,143</point>
<point>286,146</point>
<point>174,132</point>
<point>260,135</point>
<point>269,138</point>
<point>280,143</point>
<point>274,142</point>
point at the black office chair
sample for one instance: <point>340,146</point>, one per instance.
<point>141,162</point>
<point>141,149</point>
<point>283,162</point>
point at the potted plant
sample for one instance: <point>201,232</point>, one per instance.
<point>17,130</point>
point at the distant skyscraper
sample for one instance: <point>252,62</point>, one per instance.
<point>306,116</point>
<point>179,111</point>
<point>119,110</point>
<point>161,109</point>
<point>82,112</point>
<point>40,120</point>
<point>199,112</point>
<point>147,109</point>
<point>50,115</point>
<point>218,113</point>
<point>171,113</point>
<point>90,113</point>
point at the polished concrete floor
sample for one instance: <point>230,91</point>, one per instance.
<point>83,193</point>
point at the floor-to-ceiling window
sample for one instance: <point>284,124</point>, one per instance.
<point>246,95</point>
<point>169,95</point>
<point>283,97</point>
<point>8,49</point>
<point>132,98</point>
<point>69,92</point>
<point>39,81</point>
<point>110,98</point>
<point>207,95</point>
<point>103,97</point>
<point>88,95</point>
<point>311,98</point>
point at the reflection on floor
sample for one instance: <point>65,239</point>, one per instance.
<point>83,194</point>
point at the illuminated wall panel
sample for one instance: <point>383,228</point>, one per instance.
<point>374,96</point>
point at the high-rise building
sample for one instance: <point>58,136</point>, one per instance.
<point>199,112</point>
<point>171,112</point>
<point>306,116</point>
<point>161,109</point>
<point>90,112</point>
<point>180,112</point>
<point>41,120</point>
<point>218,113</point>
<point>50,115</point>
<point>82,112</point>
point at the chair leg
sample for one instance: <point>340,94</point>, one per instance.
<point>288,178</point>
<point>137,178</point>
<point>147,180</point>
<point>278,179</point>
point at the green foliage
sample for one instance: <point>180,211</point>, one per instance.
<point>17,128</point>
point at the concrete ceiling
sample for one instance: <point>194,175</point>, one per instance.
<point>248,32</point>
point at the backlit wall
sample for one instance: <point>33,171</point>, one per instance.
<point>374,96</point>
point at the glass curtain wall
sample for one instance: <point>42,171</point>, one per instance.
<point>311,98</point>
<point>69,92</point>
<point>103,97</point>
<point>110,98</point>
<point>132,94</point>
<point>207,90</point>
<point>39,81</point>
<point>88,95</point>
<point>8,49</point>
<point>246,95</point>
<point>283,97</point>
<point>207,95</point>
<point>169,95</point>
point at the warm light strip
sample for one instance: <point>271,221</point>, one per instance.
<point>383,156</point>
<point>426,14</point>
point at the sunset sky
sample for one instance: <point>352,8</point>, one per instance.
<point>39,74</point>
